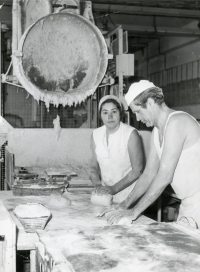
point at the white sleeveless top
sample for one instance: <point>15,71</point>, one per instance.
<point>113,158</point>
<point>186,179</point>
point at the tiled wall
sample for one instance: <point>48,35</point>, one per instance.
<point>180,84</point>
<point>194,110</point>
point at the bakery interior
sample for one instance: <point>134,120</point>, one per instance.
<point>45,132</point>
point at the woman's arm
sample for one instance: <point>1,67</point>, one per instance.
<point>136,156</point>
<point>94,165</point>
<point>140,188</point>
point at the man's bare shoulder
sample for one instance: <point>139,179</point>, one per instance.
<point>182,119</point>
<point>184,126</point>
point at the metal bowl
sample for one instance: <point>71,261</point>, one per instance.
<point>64,58</point>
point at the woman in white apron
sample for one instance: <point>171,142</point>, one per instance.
<point>117,155</point>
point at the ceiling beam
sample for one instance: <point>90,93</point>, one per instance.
<point>148,11</point>
<point>162,31</point>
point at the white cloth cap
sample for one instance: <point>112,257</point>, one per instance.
<point>137,88</point>
<point>121,101</point>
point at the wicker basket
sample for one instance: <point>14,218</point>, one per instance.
<point>31,224</point>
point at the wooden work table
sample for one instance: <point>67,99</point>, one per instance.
<point>146,245</point>
<point>79,213</point>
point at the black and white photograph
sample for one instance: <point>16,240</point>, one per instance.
<point>100,136</point>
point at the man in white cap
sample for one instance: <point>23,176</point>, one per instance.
<point>174,157</point>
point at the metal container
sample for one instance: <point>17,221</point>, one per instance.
<point>62,58</point>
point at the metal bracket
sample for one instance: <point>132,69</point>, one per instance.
<point>87,13</point>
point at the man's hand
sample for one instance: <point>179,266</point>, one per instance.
<point>107,210</point>
<point>123,205</point>
<point>120,217</point>
<point>103,190</point>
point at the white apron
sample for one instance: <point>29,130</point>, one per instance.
<point>186,179</point>
<point>113,158</point>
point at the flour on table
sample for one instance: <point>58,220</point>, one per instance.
<point>102,200</point>
<point>125,221</point>
<point>58,200</point>
<point>31,210</point>
<point>63,267</point>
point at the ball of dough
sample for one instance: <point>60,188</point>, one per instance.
<point>102,200</point>
<point>58,200</point>
<point>125,221</point>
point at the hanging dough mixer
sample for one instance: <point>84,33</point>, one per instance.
<point>61,58</point>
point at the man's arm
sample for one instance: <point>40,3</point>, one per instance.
<point>146,178</point>
<point>94,165</point>
<point>140,187</point>
<point>175,136</point>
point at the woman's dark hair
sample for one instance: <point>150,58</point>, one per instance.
<point>119,107</point>
<point>155,93</point>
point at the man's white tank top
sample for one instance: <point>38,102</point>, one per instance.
<point>113,157</point>
<point>186,180</point>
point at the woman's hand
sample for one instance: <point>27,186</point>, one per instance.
<point>103,190</point>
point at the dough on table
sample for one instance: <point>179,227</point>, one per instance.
<point>58,200</point>
<point>102,200</point>
<point>125,221</point>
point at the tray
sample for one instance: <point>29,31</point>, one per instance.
<point>26,175</point>
<point>38,188</point>
<point>32,191</point>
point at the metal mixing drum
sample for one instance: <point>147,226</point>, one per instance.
<point>62,58</point>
